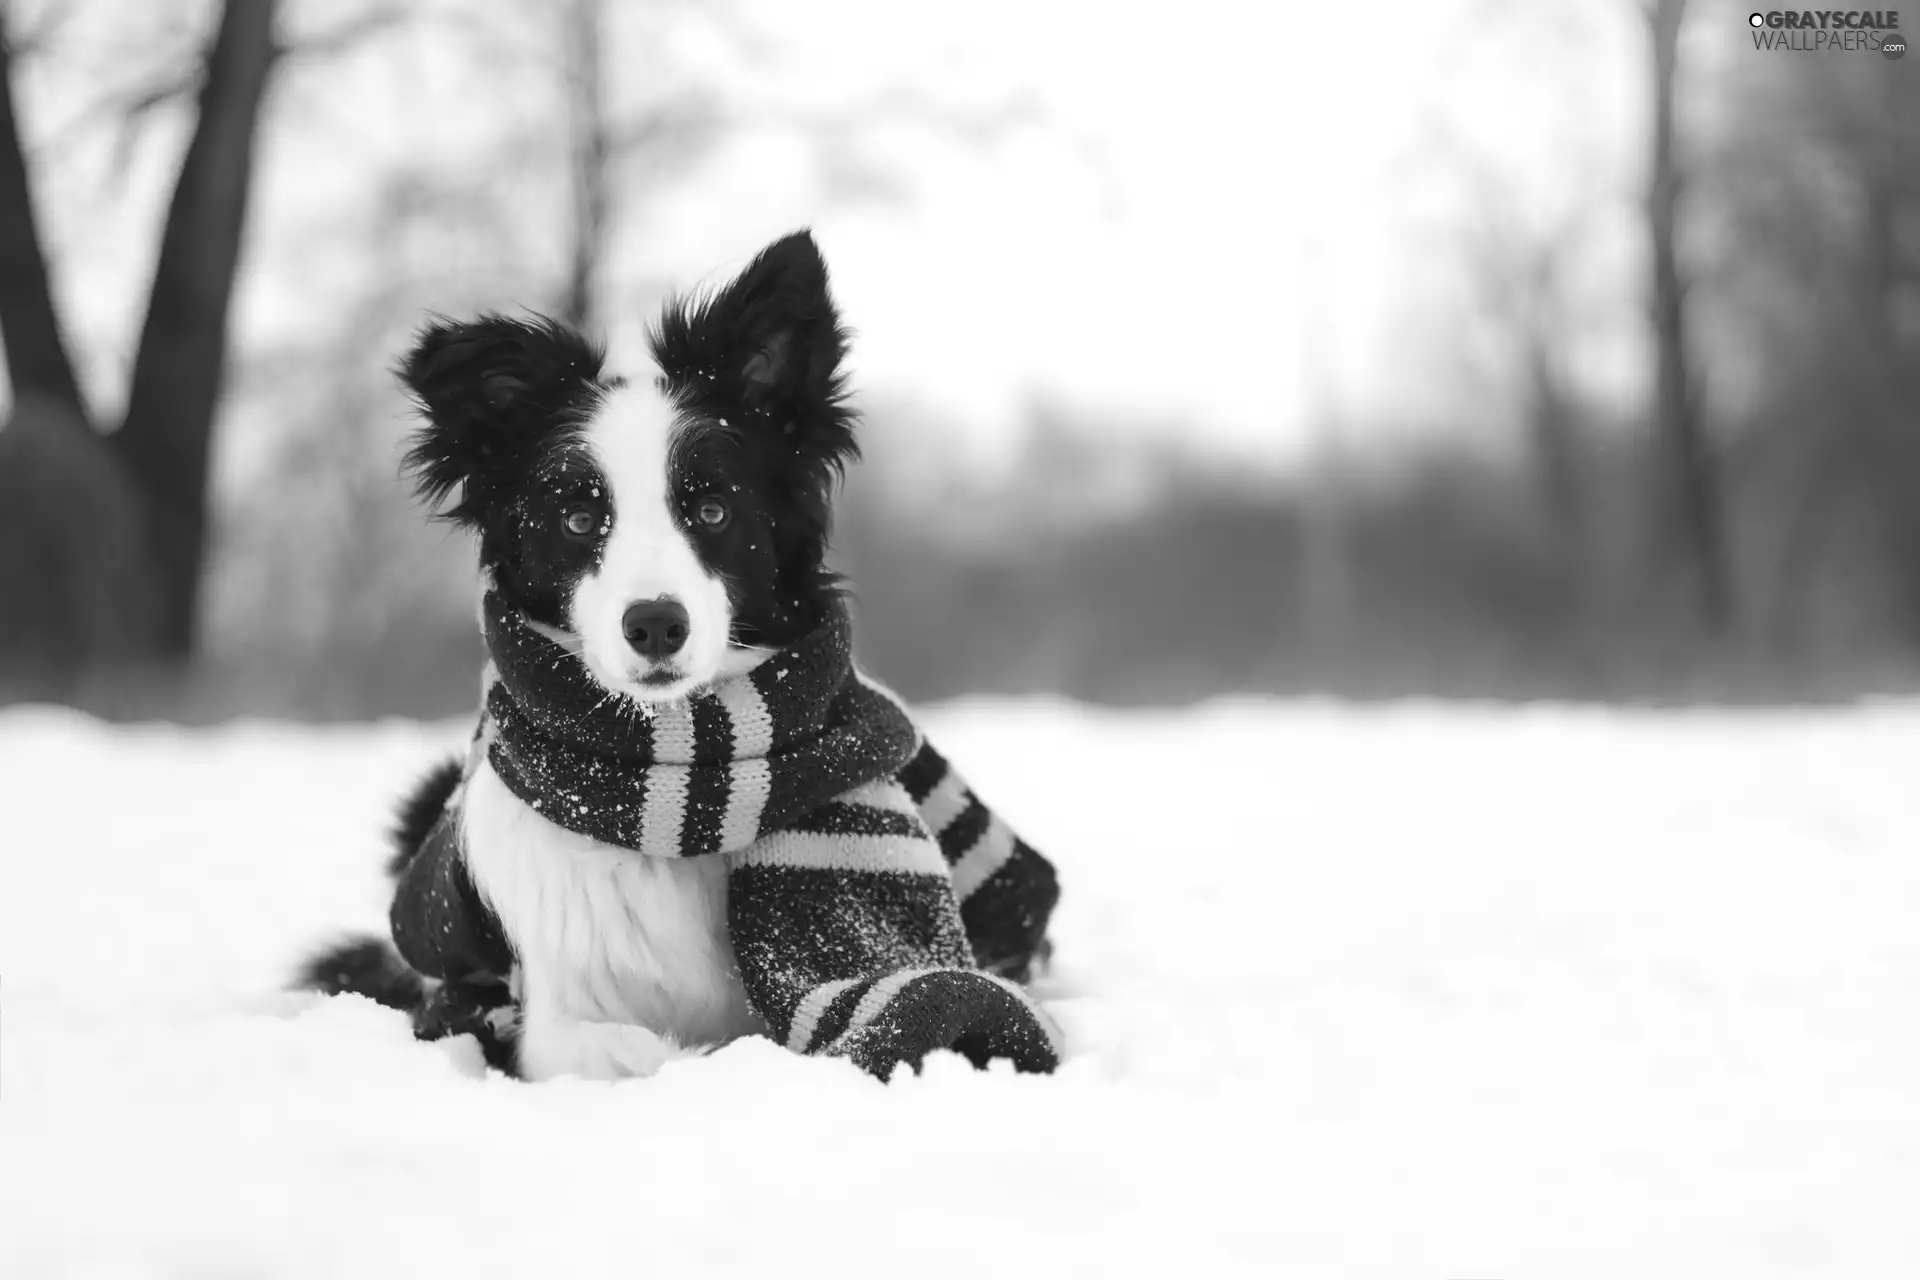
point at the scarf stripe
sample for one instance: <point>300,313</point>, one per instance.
<point>663,809</point>
<point>987,855</point>
<point>866,855</point>
<point>878,997</point>
<point>839,1009</point>
<point>671,733</point>
<point>749,777</point>
<point>876,809</point>
<point>922,773</point>
<point>806,1014</point>
<point>749,782</point>
<point>966,830</point>
<point>947,801</point>
<point>748,718</point>
<point>665,788</point>
<point>707,798</point>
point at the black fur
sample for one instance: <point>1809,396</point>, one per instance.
<point>364,966</point>
<point>419,811</point>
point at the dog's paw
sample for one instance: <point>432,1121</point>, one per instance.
<point>461,1008</point>
<point>482,1010</point>
<point>551,1047</point>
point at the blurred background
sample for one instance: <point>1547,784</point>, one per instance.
<point>1462,348</point>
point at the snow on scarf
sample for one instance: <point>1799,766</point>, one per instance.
<point>879,910</point>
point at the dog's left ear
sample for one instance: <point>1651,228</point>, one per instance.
<point>786,330</point>
<point>782,339</point>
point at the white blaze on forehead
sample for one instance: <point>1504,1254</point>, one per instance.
<point>648,554</point>
<point>630,437</point>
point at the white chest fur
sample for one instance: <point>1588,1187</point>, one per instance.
<point>624,958</point>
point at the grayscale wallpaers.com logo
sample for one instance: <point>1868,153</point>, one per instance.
<point>1829,30</point>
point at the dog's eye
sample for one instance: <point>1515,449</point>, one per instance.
<point>712,513</point>
<point>580,521</point>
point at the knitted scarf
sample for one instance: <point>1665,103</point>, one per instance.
<point>878,909</point>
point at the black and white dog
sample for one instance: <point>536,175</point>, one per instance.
<point>668,530</point>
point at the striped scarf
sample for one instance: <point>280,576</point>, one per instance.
<point>879,910</point>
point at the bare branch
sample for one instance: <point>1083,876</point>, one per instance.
<point>126,111</point>
<point>348,35</point>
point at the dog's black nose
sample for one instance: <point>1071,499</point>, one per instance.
<point>655,628</point>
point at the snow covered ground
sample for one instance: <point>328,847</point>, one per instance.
<point>1412,992</point>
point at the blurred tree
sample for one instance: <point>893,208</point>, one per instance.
<point>1815,318</point>
<point>126,512</point>
<point>1692,481</point>
<point>1518,265</point>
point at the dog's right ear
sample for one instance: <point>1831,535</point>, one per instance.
<point>489,389</point>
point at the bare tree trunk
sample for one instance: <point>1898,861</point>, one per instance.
<point>36,354</point>
<point>590,153</point>
<point>166,438</point>
<point>1692,487</point>
<point>69,538</point>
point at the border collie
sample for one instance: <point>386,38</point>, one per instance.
<point>667,528</point>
